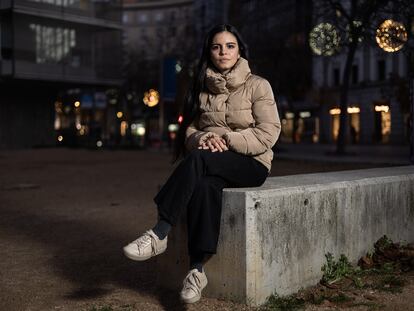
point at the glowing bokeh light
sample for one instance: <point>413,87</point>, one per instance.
<point>324,39</point>
<point>391,36</point>
<point>383,108</point>
<point>151,98</point>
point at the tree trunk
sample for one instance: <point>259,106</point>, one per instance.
<point>343,124</point>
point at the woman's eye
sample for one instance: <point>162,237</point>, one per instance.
<point>214,47</point>
<point>231,46</point>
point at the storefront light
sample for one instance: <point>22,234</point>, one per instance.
<point>289,115</point>
<point>124,127</point>
<point>137,129</point>
<point>383,108</point>
<point>58,123</point>
<point>304,114</point>
<point>173,127</point>
<point>141,131</point>
<point>353,110</point>
<point>335,111</point>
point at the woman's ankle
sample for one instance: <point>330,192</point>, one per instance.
<point>161,229</point>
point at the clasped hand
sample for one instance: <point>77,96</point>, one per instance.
<point>214,144</point>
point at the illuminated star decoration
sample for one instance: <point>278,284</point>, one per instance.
<point>391,36</point>
<point>151,98</point>
<point>324,39</point>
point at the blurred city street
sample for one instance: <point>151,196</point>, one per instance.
<point>65,215</point>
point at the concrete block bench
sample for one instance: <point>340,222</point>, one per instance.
<point>274,238</point>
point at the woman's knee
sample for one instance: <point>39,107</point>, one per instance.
<point>196,155</point>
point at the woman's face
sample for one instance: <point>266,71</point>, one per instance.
<point>224,51</point>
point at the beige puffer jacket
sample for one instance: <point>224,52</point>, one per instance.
<point>239,107</point>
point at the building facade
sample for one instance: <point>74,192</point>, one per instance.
<point>378,109</point>
<point>277,35</point>
<point>207,14</point>
<point>160,53</point>
<point>154,30</point>
<point>375,112</point>
<point>57,59</point>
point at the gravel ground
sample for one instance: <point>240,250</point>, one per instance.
<point>65,215</point>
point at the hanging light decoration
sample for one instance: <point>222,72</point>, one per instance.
<point>151,98</point>
<point>391,36</point>
<point>324,39</point>
<point>356,25</point>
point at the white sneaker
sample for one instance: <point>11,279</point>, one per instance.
<point>145,247</point>
<point>193,283</point>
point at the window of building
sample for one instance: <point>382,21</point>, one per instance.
<point>142,17</point>
<point>125,17</point>
<point>251,5</point>
<point>381,65</point>
<point>172,16</point>
<point>336,76</point>
<point>6,39</point>
<point>354,74</point>
<point>57,2</point>
<point>53,44</point>
<point>159,16</point>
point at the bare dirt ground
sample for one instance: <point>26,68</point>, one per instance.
<point>65,215</point>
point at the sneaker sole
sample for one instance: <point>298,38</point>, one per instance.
<point>140,258</point>
<point>194,299</point>
<point>136,258</point>
<point>191,300</point>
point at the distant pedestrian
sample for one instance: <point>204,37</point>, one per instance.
<point>230,125</point>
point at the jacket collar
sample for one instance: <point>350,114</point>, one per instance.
<point>218,83</point>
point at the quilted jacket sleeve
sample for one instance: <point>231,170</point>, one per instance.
<point>195,137</point>
<point>260,138</point>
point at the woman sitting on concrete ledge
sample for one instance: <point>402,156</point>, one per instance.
<point>230,125</point>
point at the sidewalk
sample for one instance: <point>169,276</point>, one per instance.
<point>376,154</point>
<point>65,215</point>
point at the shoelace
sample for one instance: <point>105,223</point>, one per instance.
<point>143,241</point>
<point>192,282</point>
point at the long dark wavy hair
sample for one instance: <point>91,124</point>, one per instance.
<point>192,104</point>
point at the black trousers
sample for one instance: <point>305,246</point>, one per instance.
<point>196,185</point>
